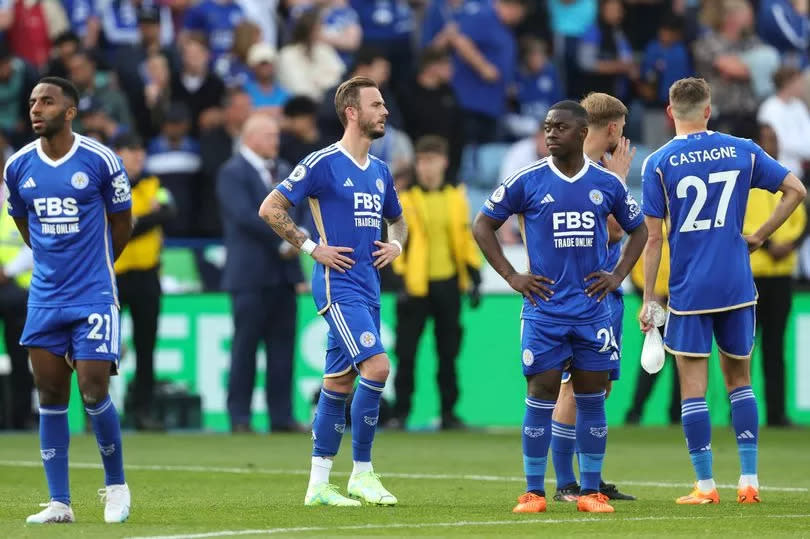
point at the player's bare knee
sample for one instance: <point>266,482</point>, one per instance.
<point>51,394</point>
<point>93,390</point>
<point>543,387</point>
<point>376,368</point>
<point>341,384</point>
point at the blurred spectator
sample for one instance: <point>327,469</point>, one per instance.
<point>642,20</point>
<point>570,19</point>
<point>729,57</point>
<point>300,135</point>
<point>30,27</point>
<point>387,25</point>
<point>84,21</point>
<point>174,157</point>
<point>263,88</point>
<point>196,86</point>
<point>666,59</point>
<point>16,263</point>
<point>524,152</point>
<point>773,266</point>
<point>140,69</point>
<point>261,272</point>
<point>395,147</point>
<point>64,46</point>
<point>441,20</point>
<point>439,264</point>
<point>537,87</point>
<point>217,145</point>
<point>119,25</point>
<point>17,80</point>
<point>785,25</point>
<point>94,118</point>
<point>216,20</point>
<point>787,115</point>
<point>100,87</point>
<point>341,29</point>
<point>368,62</point>
<point>485,57</point>
<point>233,67</point>
<point>307,65</point>
<point>262,13</point>
<point>429,105</point>
<point>604,55</point>
<point>137,271</point>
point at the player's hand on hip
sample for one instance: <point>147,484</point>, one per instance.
<point>333,257</point>
<point>603,283</point>
<point>621,158</point>
<point>386,253</point>
<point>530,285</point>
<point>753,242</point>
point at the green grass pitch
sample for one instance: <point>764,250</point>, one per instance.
<point>196,485</point>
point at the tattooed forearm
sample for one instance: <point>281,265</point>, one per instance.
<point>397,230</point>
<point>274,212</point>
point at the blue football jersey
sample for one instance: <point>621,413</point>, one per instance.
<point>700,182</point>
<point>217,20</point>
<point>348,203</point>
<point>66,203</point>
<point>564,225</point>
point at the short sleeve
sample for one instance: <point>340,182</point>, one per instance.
<point>768,173</point>
<point>302,182</point>
<point>625,208</point>
<point>115,189</point>
<point>391,206</point>
<point>16,205</point>
<point>506,200</point>
<point>653,199</point>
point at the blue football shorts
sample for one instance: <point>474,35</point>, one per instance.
<point>616,302</point>
<point>354,336</point>
<point>587,347</point>
<point>691,334</point>
<point>75,332</point>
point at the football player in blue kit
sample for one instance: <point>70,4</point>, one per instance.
<point>70,198</point>
<point>350,195</point>
<point>563,203</point>
<point>699,182</point>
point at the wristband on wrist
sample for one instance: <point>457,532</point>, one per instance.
<point>308,246</point>
<point>396,242</point>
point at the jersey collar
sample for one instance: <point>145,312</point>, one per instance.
<point>562,176</point>
<point>48,161</point>
<point>347,154</point>
<point>684,137</point>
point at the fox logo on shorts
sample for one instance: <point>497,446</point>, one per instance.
<point>599,432</point>
<point>368,339</point>
<point>528,357</point>
<point>533,432</point>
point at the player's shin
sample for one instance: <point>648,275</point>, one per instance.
<point>327,432</point>
<point>54,439</point>
<point>591,429</point>
<point>107,428</point>
<point>365,414</point>
<point>536,441</point>
<point>745,418</point>
<point>698,431</point>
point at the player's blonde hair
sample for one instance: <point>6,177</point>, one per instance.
<point>348,95</point>
<point>603,109</point>
<point>689,97</point>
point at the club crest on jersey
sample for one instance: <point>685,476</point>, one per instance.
<point>380,185</point>
<point>298,173</point>
<point>499,193</point>
<point>528,357</point>
<point>596,196</point>
<point>368,339</point>
<point>79,180</point>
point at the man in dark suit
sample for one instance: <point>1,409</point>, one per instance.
<point>261,272</point>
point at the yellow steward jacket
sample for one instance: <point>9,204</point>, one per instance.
<point>11,243</point>
<point>412,264</point>
<point>761,204</point>
<point>143,252</point>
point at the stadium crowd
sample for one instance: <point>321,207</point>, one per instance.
<point>184,76</point>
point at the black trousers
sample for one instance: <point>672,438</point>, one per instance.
<point>644,386</point>
<point>13,303</point>
<point>269,316</point>
<point>773,309</point>
<point>139,290</point>
<point>443,304</point>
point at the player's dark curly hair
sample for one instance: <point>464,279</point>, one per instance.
<point>67,87</point>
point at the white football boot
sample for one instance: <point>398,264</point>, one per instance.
<point>54,513</point>
<point>116,502</point>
